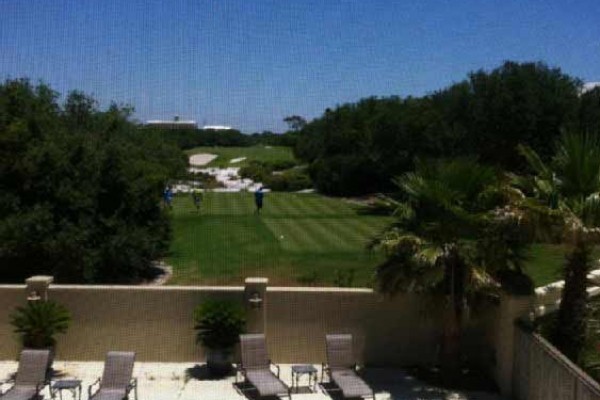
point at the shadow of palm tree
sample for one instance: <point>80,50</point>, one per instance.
<point>201,372</point>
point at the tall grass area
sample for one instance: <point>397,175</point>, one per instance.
<point>256,153</point>
<point>299,239</point>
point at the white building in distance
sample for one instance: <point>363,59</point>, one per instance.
<point>176,123</point>
<point>217,127</point>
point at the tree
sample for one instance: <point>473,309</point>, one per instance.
<point>295,122</point>
<point>80,188</point>
<point>520,103</point>
<point>485,116</point>
<point>445,207</point>
<point>565,198</point>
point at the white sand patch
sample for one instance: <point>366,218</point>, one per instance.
<point>236,160</point>
<point>198,160</point>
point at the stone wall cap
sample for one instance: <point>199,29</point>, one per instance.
<point>40,279</point>
<point>257,280</point>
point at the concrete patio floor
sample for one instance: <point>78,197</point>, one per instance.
<point>166,381</point>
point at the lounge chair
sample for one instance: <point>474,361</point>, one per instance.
<point>116,382</point>
<point>31,376</point>
<point>256,367</point>
<point>341,367</point>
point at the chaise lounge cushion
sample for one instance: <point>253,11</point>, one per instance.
<point>350,384</point>
<point>265,382</point>
<point>110,394</point>
<point>20,393</point>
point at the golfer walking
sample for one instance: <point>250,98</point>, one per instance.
<point>258,199</point>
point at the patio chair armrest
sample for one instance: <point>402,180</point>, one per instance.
<point>276,366</point>
<point>239,369</point>
<point>133,384</point>
<point>10,382</point>
<point>40,386</point>
<point>324,368</point>
<point>96,382</point>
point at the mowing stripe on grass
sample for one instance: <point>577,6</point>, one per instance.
<point>227,241</point>
<point>325,207</point>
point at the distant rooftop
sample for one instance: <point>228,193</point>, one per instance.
<point>175,123</point>
<point>217,127</point>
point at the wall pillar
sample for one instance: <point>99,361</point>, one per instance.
<point>255,301</point>
<point>511,308</point>
<point>37,287</point>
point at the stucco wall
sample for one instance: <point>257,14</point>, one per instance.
<point>401,330</point>
<point>11,296</point>
<point>156,322</point>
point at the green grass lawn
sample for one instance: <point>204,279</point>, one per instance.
<point>258,153</point>
<point>299,239</point>
<point>546,263</point>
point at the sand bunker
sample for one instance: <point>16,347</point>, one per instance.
<point>199,160</point>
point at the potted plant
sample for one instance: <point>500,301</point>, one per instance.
<point>218,325</point>
<point>38,323</point>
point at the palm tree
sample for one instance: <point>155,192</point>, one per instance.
<point>568,190</point>
<point>434,247</point>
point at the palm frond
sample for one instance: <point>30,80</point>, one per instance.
<point>535,161</point>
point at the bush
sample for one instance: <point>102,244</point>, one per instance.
<point>345,175</point>
<point>255,170</point>
<point>219,324</point>
<point>289,181</point>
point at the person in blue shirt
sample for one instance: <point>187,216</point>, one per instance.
<point>258,199</point>
<point>168,197</point>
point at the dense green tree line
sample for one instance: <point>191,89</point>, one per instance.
<point>357,148</point>
<point>190,138</point>
<point>80,188</point>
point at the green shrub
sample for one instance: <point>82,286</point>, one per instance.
<point>219,323</point>
<point>255,170</point>
<point>279,165</point>
<point>38,322</point>
<point>291,180</point>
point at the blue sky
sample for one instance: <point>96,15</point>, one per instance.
<point>250,63</point>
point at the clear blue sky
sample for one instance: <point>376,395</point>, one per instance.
<point>249,63</point>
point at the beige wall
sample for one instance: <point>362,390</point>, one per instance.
<point>11,296</point>
<point>502,338</point>
<point>156,322</point>
<point>401,330</point>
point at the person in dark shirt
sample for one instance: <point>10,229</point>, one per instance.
<point>258,199</point>
<point>197,197</point>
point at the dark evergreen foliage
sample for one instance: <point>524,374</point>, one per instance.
<point>357,148</point>
<point>80,188</point>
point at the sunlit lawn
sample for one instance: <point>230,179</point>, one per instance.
<point>258,153</point>
<point>546,263</point>
<point>299,239</point>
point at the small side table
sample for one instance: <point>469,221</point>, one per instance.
<point>304,369</point>
<point>72,385</point>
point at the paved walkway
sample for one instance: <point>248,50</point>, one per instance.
<point>166,381</point>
